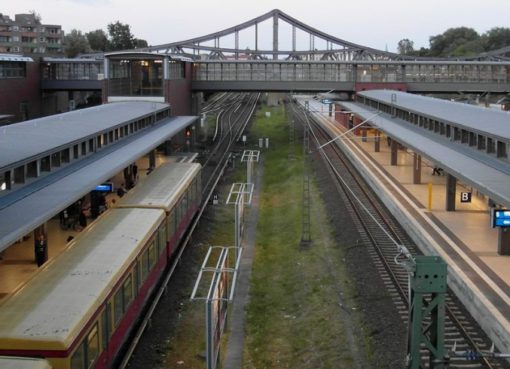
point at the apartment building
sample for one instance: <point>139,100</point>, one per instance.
<point>26,35</point>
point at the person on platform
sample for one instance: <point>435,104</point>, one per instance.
<point>40,250</point>
<point>82,220</point>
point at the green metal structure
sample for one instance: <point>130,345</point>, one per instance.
<point>427,283</point>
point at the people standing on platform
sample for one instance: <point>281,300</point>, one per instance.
<point>121,191</point>
<point>134,169</point>
<point>40,250</point>
<point>82,220</point>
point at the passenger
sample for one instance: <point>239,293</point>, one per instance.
<point>40,250</point>
<point>134,169</point>
<point>102,203</point>
<point>82,220</point>
<point>121,190</point>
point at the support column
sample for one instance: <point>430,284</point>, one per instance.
<point>394,152</point>
<point>275,36</point>
<point>41,244</point>
<point>377,141</point>
<point>237,45</point>
<point>363,134</point>
<point>168,147</point>
<point>152,160</point>
<point>504,241</point>
<point>416,168</point>
<point>451,187</point>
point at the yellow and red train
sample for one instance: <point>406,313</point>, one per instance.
<point>78,310</point>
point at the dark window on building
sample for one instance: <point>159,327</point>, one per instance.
<point>501,153</point>
<point>13,69</point>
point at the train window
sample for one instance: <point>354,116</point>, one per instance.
<point>78,358</point>
<point>145,264</point>
<point>162,237</point>
<point>92,349</point>
<point>128,291</point>
<point>137,277</point>
<point>104,329</point>
<point>152,255</point>
<point>171,224</point>
<point>185,203</point>
<point>117,306</point>
<point>109,320</point>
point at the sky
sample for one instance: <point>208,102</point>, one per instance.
<point>378,24</point>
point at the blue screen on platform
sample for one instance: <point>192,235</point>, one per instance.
<point>105,187</point>
<point>501,218</point>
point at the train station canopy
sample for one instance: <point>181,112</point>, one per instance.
<point>23,141</point>
<point>23,214</point>
<point>471,167</point>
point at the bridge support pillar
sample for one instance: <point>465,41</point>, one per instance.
<point>504,241</point>
<point>394,152</point>
<point>196,103</point>
<point>377,141</point>
<point>451,187</point>
<point>416,168</point>
<point>168,147</point>
<point>152,160</point>
<point>363,134</point>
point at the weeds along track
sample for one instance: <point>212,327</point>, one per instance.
<point>380,234</point>
<point>235,111</point>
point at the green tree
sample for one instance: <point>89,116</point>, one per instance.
<point>139,43</point>
<point>76,43</point>
<point>120,36</point>
<point>405,47</point>
<point>496,38</point>
<point>449,43</point>
<point>98,40</point>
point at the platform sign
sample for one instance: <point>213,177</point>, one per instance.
<point>500,218</point>
<point>465,197</point>
<point>104,187</point>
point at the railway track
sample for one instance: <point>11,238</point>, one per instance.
<point>234,113</point>
<point>383,234</point>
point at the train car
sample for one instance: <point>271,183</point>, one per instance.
<point>8,362</point>
<point>79,309</point>
<point>157,194</point>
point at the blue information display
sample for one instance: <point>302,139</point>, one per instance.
<point>104,187</point>
<point>501,218</point>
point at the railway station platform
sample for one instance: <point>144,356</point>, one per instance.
<point>17,263</point>
<point>464,237</point>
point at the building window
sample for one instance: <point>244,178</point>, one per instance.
<point>12,69</point>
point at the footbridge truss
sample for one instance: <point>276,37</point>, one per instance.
<point>329,47</point>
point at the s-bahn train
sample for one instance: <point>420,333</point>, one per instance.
<point>77,311</point>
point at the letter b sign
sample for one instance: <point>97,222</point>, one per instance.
<point>465,197</point>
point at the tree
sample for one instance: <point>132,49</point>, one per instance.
<point>139,43</point>
<point>405,47</point>
<point>98,40</point>
<point>120,36</point>
<point>449,43</point>
<point>496,38</point>
<point>76,43</point>
<point>36,15</point>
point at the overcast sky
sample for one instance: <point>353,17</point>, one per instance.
<point>378,24</point>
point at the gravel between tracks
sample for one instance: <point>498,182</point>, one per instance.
<point>386,329</point>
